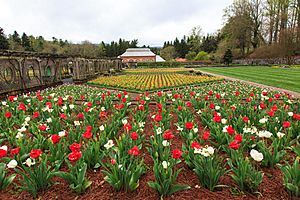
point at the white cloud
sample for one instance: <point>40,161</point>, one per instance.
<point>151,22</point>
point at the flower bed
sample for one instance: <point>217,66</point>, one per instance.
<point>224,140</point>
<point>151,82</point>
<point>156,70</point>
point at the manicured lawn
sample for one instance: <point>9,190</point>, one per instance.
<point>278,77</point>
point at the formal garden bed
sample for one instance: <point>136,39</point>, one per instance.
<point>152,80</point>
<point>223,140</point>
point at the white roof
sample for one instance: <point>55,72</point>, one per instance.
<point>137,52</point>
<point>159,59</point>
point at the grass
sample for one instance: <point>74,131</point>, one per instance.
<point>286,78</point>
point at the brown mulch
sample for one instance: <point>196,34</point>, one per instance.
<point>271,188</point>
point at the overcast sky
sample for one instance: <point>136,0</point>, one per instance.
<point>150,21</point>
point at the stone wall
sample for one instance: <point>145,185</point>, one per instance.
<point>271,61</point>
<point>23,71</point>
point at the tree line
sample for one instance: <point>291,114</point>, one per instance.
<point>39,44</point>
<point>252,29</point>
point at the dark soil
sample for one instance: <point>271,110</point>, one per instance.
<point>271,188</point>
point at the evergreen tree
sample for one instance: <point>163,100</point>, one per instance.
<point>227,57</point>
<point>3,40</point>
<point>26,42</point>
<point>16,38</point>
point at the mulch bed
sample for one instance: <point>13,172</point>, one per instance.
<point>271,187</point>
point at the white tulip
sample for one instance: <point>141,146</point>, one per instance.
<point>265,134</point>
<point>290,114</point>
<point>165,164</point>
<point>179,128</point>
<point>4,147</point>
<point>257,156</point>
<point>19,135</point>
<point>263,120</point>
<point>12,164</point>
<point>22,129</point>
<point>62,133</point>
<point>29,162</point>
<point>49,120</point>
<point>223,121</point>
<point>158,131</point>
<point>280,135</point>
<point>76,123</point>
<point>101,128</point>
<point>210,150</point>
<point>124,121</point>
<point>165,143</point>
<point>27,119</point>
<point>109,144</point>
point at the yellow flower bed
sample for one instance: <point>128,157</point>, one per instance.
<point>151,81</point>
<point>156,70</point>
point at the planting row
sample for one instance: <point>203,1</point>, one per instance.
<point>151,81</point>
<point>226,129</point>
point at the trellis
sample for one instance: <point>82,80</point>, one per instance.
<point>22,71</point>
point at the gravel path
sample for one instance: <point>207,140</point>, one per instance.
<point>296,94</point>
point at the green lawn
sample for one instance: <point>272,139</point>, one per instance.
<point>278,77</point>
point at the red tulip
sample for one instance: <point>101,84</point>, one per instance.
<point>55,138</point>
<point>230,130</point>
<point>127,127</point>
<point>168,135</point>
<point>189,125</point>
<point>3,153</point>
<point>36,115</point>
<point>88,129</point>
<point>234,145</point>
<point>205,135</point>
<point>286,124</point>
<point>22,106</point>
<point>7,115</point>
<point>238,138</point>
<point>141,107</point>
<point>245,119</point>
<point>35,153</point>
<point>134,151</point>
<point>63,116</point>
<point>176,153</point>
<point>103,114</point>
<point>75,147</point>
<point>43,127</point>
<point>188,104</point>
<point>113,161</point>
<point>159,106</point>
<point>15,151</point>
<point>195,145</point>
<point>158,118</point>
<point>80,115</point>
<point>74,156</point>
<point>134,135</point>
<point>87,135</point>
